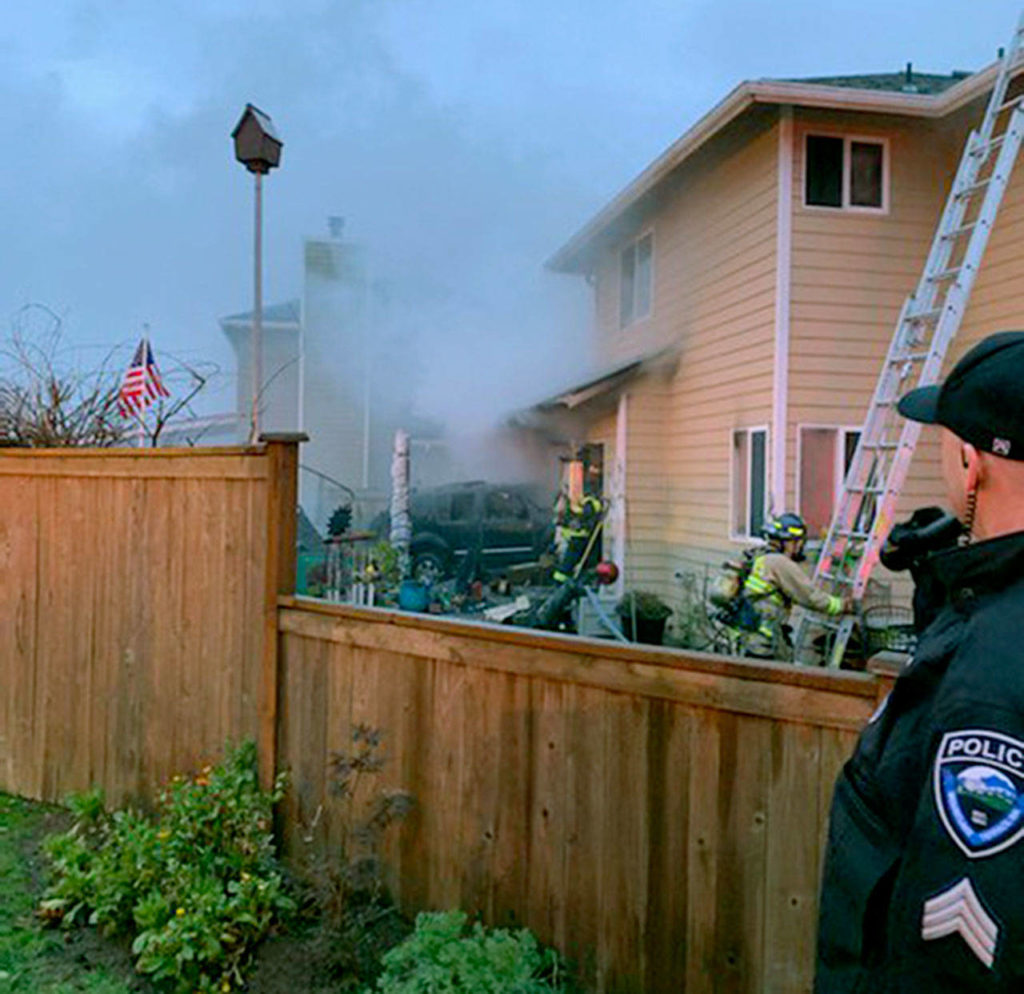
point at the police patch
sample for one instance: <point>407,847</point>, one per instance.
<point>979,790</point>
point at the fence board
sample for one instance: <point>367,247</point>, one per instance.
<point>657,817</point>
<point>133,592</point>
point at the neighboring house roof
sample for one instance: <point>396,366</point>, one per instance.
<point>873,94</point>
<point>284,315</point>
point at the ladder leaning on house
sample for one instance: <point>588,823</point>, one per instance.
<point>930,318</point>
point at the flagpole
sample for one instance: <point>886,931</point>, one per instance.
<point>141,409</point>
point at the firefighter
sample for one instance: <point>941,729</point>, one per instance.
<point>578,518</point>
<point>775,582</point>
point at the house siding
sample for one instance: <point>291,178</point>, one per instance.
<point>713,301</point>
<point>852,271</point>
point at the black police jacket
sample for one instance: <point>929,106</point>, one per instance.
<point>923,886</point>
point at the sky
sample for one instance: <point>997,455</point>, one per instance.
<point>463,142</point>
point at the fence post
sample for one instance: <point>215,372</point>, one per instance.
<point>282,450</point>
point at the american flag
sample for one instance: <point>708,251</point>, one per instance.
<point>141,384</point>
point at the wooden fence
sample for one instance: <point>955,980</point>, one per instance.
<point>138,603</point>
<point>658,817</point>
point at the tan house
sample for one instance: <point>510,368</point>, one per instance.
<point>746,287</point>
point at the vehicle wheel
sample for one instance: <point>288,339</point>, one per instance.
<point>428,566</point>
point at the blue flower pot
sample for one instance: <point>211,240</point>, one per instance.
<point>413,595</point>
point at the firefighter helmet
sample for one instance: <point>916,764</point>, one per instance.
<point>786,527</point>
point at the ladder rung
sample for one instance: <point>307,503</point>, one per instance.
<point>925,315</point>
<point>898,360</point>
<point>957,232</point>
<point>990,146</point>
<point>1012,102</point>
<point>852,533</point>
<point>877,491</point>
<point>946,274</point>
<point>969,191</point>
<point>835,578</point>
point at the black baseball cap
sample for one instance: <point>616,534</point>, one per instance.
<point>982,399</point>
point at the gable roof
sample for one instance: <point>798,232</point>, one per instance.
<point>867,94</point>
<point>907,81</point>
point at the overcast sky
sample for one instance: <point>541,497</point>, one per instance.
<point>463,141</point>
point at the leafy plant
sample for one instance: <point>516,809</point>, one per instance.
<point>445,955</point>
<point>198,885</point>
<point>642,604</point>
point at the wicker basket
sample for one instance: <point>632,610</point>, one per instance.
<point>889,627</point>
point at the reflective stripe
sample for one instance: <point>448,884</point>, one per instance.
<point>759,587</point>
<point>835,605</point>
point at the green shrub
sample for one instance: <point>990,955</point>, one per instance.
<point>197,886</point>
<point>446,956</point>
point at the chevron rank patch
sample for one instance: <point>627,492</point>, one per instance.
<point>979,790</point>
<point>959,911</point>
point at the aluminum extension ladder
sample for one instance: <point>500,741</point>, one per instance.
<point>930,318</point>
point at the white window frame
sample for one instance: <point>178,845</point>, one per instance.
<point>843,432</point>
<point>848,140</point>
<point>748,430</point>
<point>635,318</point>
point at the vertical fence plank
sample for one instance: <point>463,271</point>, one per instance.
<point>512,846</point>
<point>587,796</point>
<point>480,804</point>
<point>668,766</point>
<point>743,805</point>
<point>625,841</point>
<point>19,574</point>
<point>547,816</point>
<point>791,903</point>
<point>282,453</point>
<point>703,849</point>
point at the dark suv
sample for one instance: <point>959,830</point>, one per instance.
<point>512,524</point>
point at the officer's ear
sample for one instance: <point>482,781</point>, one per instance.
<point>970,459</point>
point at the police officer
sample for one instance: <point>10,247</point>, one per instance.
<point>923,887</point>
<point>775,582</point>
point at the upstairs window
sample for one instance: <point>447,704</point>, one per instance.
<point>635,280</point>
<point>845,173</point>
<point>749,482</point>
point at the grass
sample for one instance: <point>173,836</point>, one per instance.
<point>33,959</point>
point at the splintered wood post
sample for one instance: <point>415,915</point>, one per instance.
<point>282,451</point>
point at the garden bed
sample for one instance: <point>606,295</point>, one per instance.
<point>39,960</point>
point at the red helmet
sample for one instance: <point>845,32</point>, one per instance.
<point>607,573</point>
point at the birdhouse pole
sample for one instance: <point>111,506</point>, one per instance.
<point>258,148</point>
<point>257,311</point>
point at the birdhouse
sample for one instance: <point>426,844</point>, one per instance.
<point>257,146</point>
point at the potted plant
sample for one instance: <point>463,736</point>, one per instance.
<point>643,616</point>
